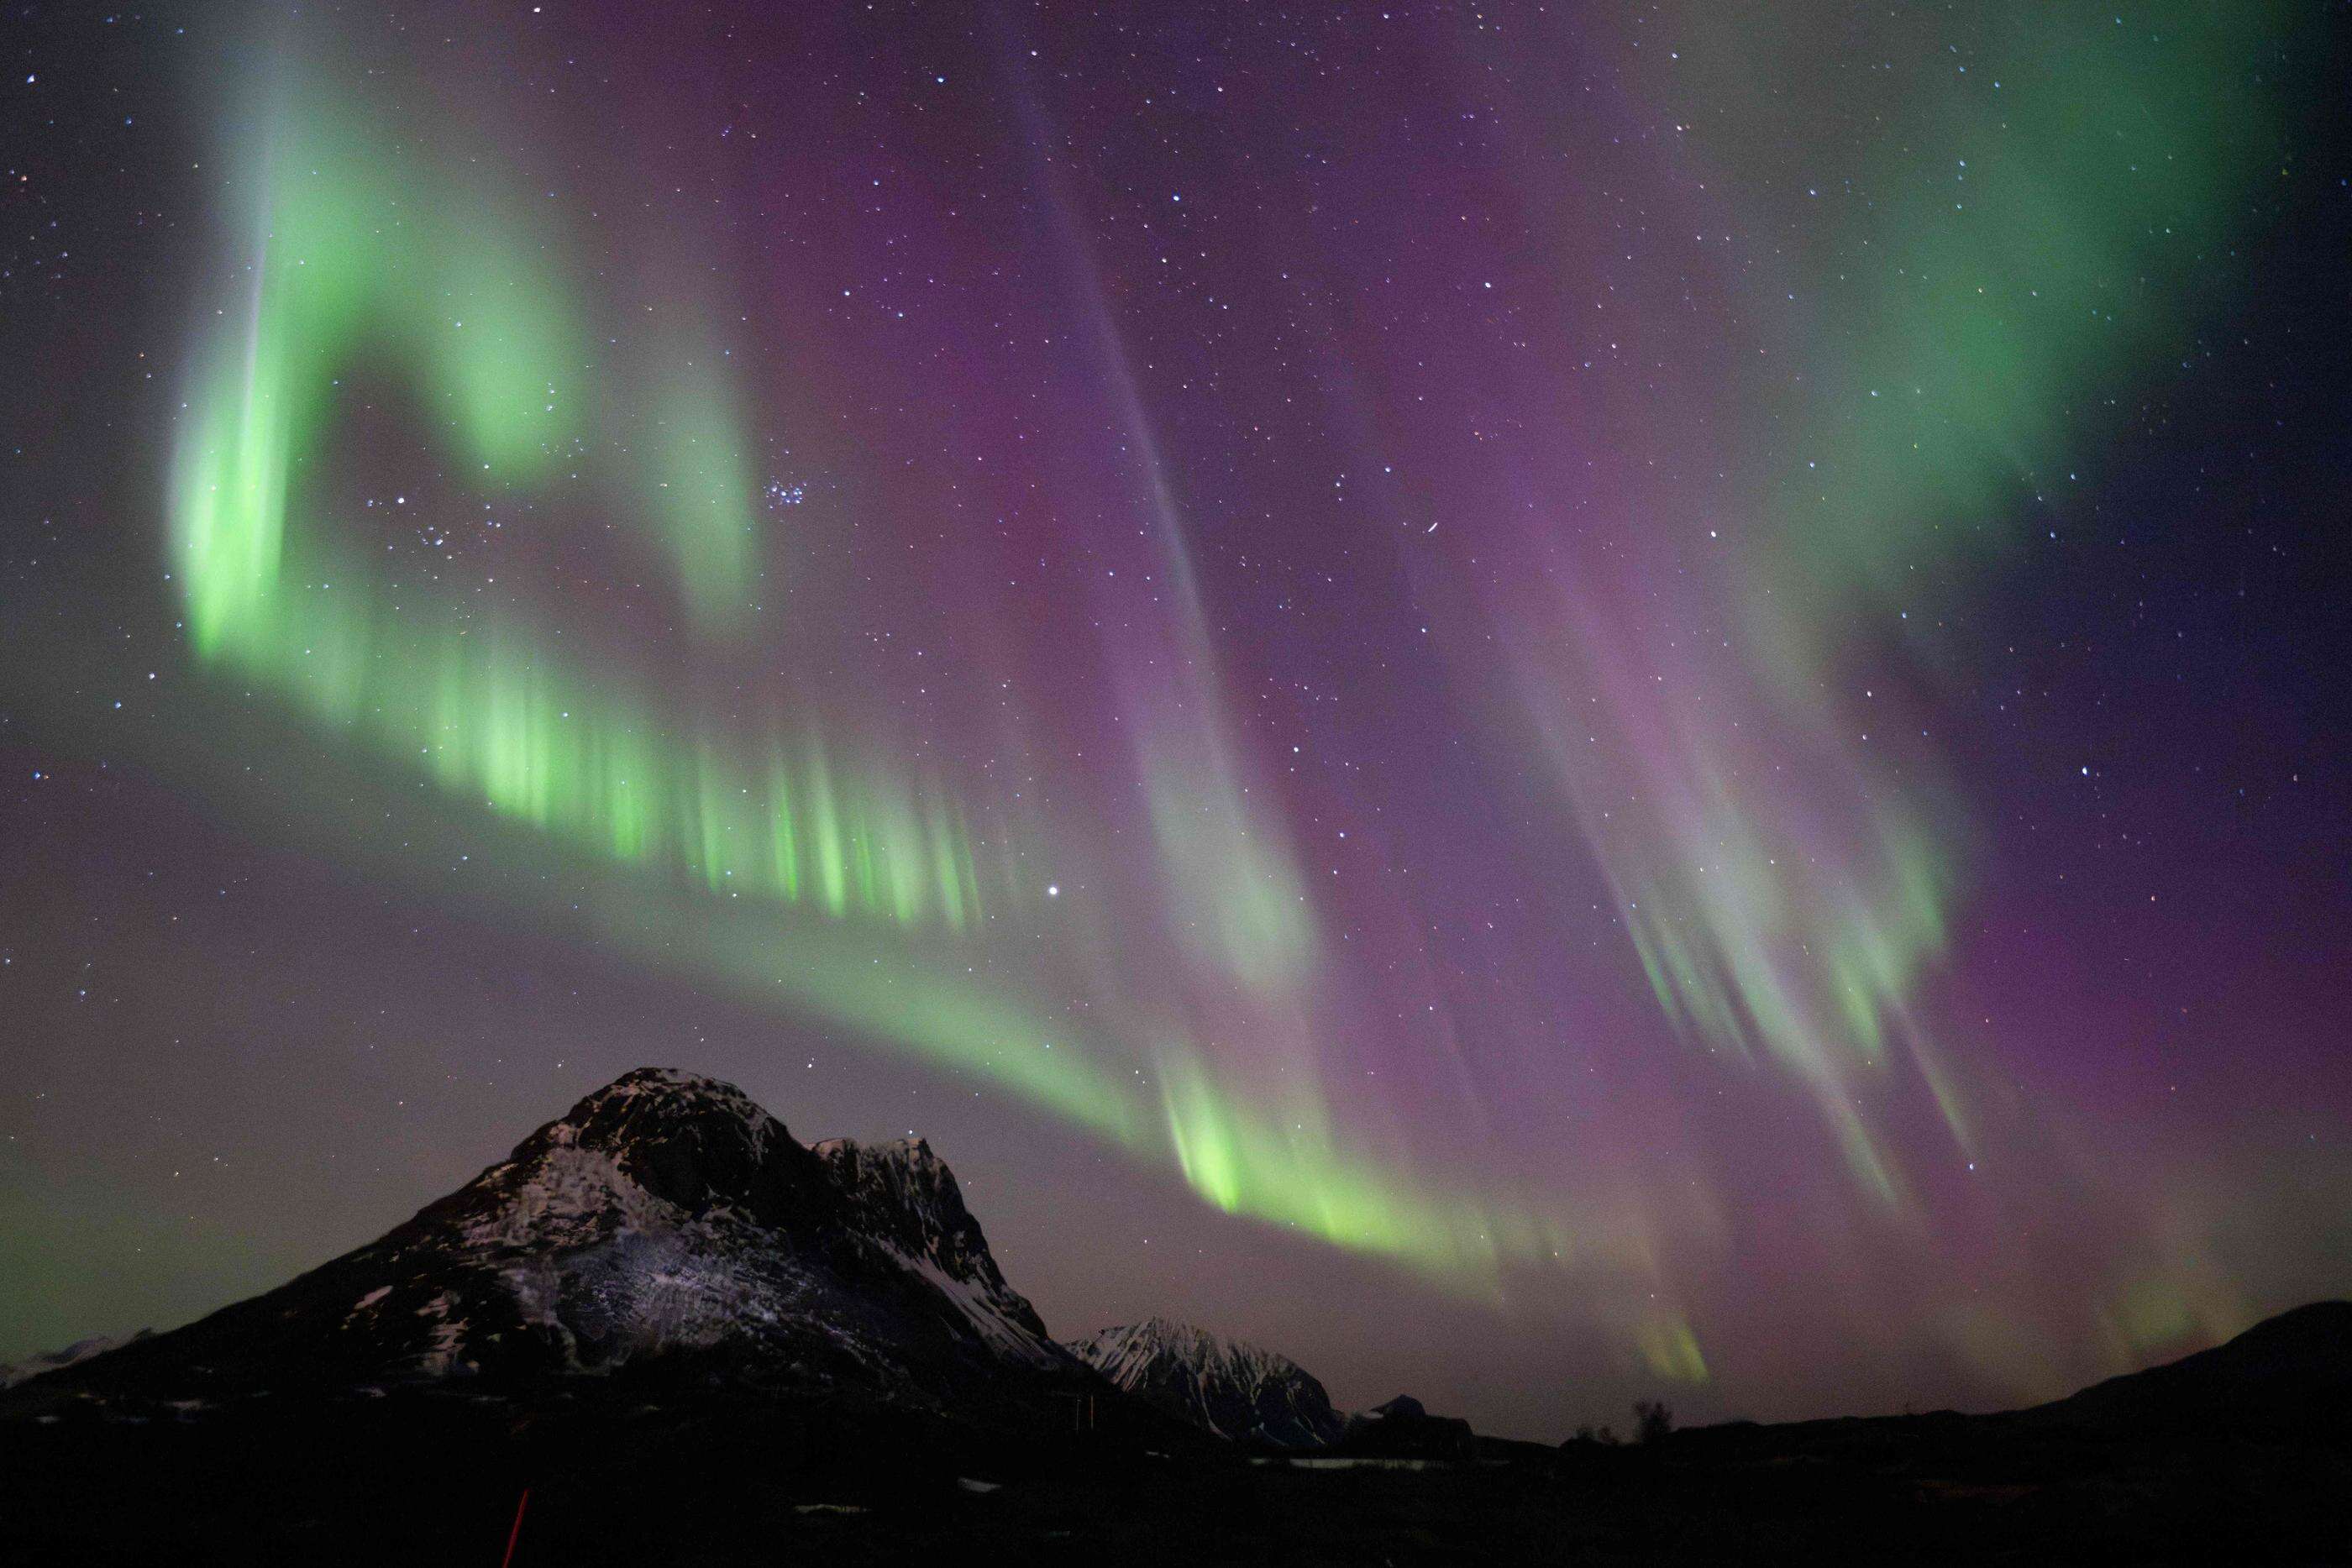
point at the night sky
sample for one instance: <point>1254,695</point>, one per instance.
<point>1547,704</point>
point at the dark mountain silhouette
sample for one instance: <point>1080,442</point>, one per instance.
<point>2288,1377</point>
<point>662,1219</point>
<point>1404,1429</point>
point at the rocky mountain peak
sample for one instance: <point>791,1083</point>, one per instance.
<point>1224,1387</point>
<point>665,1215</point>
<point>903,1195</point>
<point>695,1141</point>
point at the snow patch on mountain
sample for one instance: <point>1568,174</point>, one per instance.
<point>1235,1390</point>
<point>907,1203</point>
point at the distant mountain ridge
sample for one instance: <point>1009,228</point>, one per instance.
<point>1224,1386</point>
<point>82,1349</point>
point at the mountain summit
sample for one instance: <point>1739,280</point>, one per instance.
<point>664,1219</point>
<point>1222,1386</point>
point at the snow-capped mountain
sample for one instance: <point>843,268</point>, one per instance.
<point>664,1219</point>
<point>1232,1389</point>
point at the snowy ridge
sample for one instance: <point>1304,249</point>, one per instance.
<point>906,1202</point>
<point>1234,1390</point>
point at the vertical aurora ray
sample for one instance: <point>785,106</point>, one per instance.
<point>701,489</point>
<point>1234,899</point>
<point>1737,715</point>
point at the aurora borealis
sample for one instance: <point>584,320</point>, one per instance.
<point>1543,702</point>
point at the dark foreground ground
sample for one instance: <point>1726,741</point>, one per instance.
<point>429,1478</point>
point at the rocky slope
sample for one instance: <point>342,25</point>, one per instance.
<point>1221,1385</point>
<point>663,1219</point>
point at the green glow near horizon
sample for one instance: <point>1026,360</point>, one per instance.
<point>1284,1166</point>
<point>1669,1348</point>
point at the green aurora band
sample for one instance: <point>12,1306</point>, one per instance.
<point>491,711</point>
<point>360,246</point>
